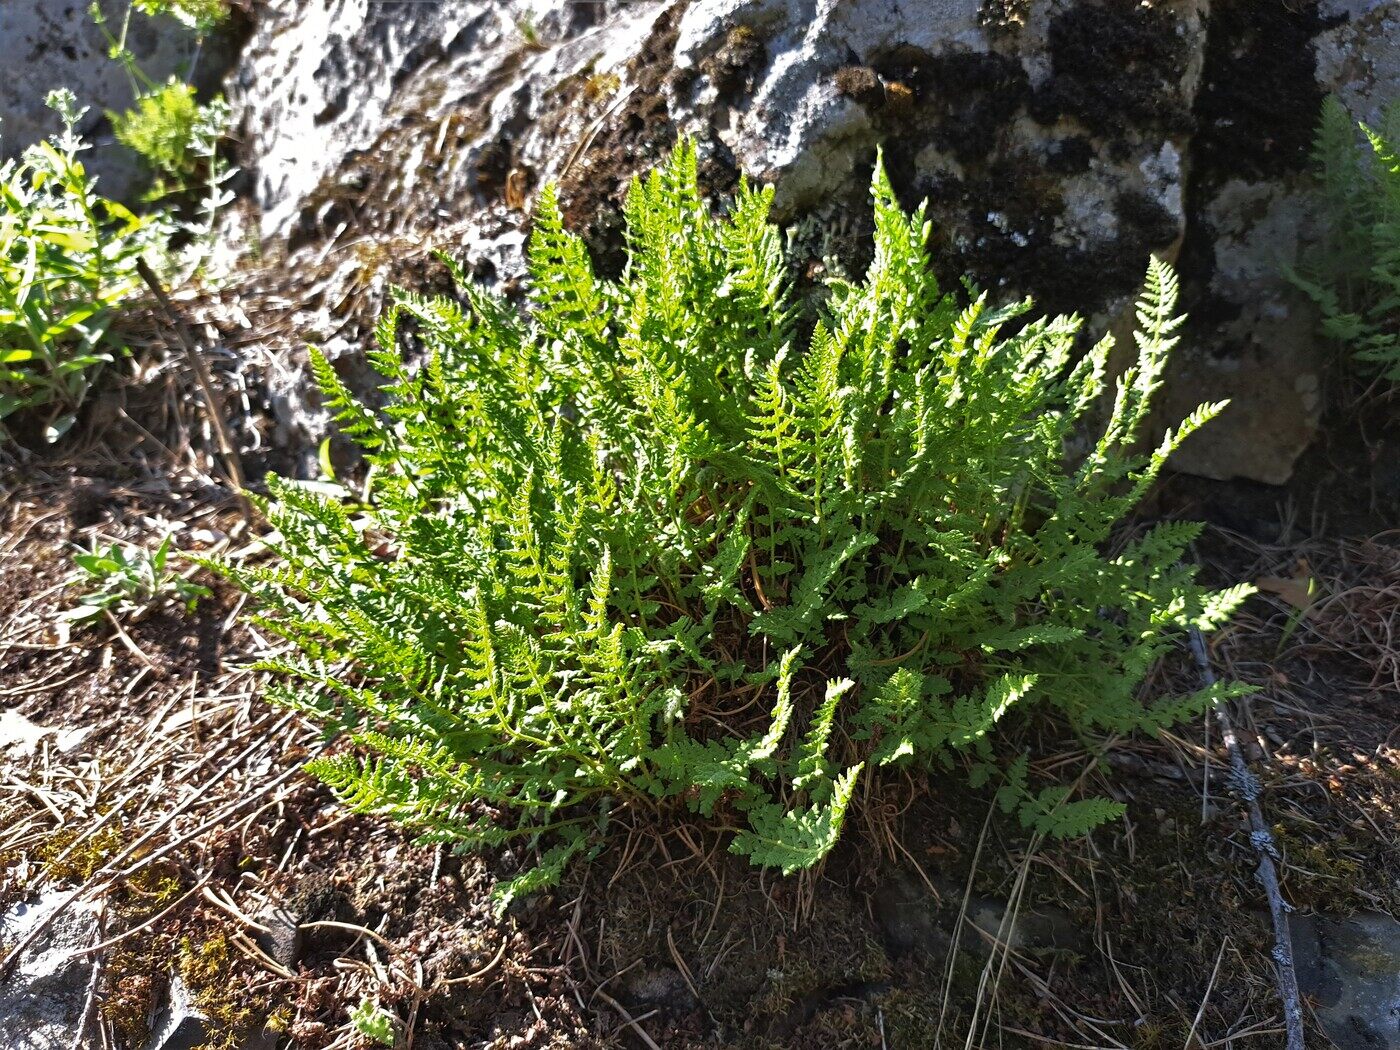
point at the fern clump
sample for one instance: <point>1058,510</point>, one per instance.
<point>667,542</point>
<point>1354,274</point>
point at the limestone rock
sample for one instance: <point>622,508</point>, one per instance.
<point>915,921</point>
<point>1261,353</point>
<point>1359,58</point>
<point>42,1000</point>
<point>1350,971</point>
<point>1058,142</point>
<point>179,1025</point>
<point>425,126</point>
<point>1046,169</point>
<point>425,106</point>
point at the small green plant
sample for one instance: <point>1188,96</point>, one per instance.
<point>67,258</point>
<point>162,129</point>
<point>669,542</point>
<point>199,15</point>
<point>180,139</point>
<point>1354,275</point>
<point>529,33</point>
<point>373,1022</point>
<point>176,135</point>
<point>129,582</point>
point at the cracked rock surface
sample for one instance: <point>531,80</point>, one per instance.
<point>1058,142</point>
<point>42,999</point>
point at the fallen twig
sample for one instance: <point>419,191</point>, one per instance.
<point>131,646</point>
<point>90,999</point>
<point>1246,787</point>
<point>632,1022</point>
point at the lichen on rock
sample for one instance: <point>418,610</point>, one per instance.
<point>1057,143</point>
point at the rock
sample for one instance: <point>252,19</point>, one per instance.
<point>423,104</point>
<point>1358,58</point>
<point>1043,171</point>
<point>42,1001</point>
<point>424,126</point>
<point>283,943</point>
<point>1262,355</point>
<point>19,736</point>
<point>913,922</point>
<point>1350,971</point>
<point>1252,337</point>
<point>179,1025</point>
<point>47,44</point>
<point>1048,170</point>
<point>657,987</point>
<point>908,918</point>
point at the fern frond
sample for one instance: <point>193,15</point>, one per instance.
<point>790,840</point>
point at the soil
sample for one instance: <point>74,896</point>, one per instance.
<point>665,932</point>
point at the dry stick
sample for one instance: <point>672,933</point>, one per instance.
<point>232,463</point>
<point>632,1022</point>
<point>131,646</point>
<point>91,997</point>
<point>1247,788</point>
<point>80,952</point>
<point>1206,998</point>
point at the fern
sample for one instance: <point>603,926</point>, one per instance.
<point>1354,274</point>
<point>652,548</point>
<point>790,840</point>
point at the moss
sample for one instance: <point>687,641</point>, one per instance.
<point>1070,155</point>
<point>279,1021</point>
<point>209,973</point>
<point>593,188</point>
<point>150,889</point>
<point>899,99</point>
<point>1321,874</point>
<point>11,886</point>
<point>493,164</point>
<point>1154,1034</point>
<point>84,859</point>
<point>914,1010</point>
<point>1259,99</point>
<point>135,976</point>
<point>833,956</point>
<point>130,998</point>
<point>599,86</point>
<point>975,95</point>
<point>1116,68</point>
<point>733,68</point>
<point>860,84</point>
